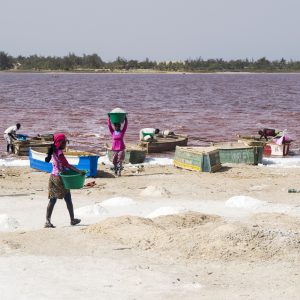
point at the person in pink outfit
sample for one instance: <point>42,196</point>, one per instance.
<point>56,189</point>
<point>118,145</point>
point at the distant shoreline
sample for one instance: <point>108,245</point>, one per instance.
<point>143,72</point>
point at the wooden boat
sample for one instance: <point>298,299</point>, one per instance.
<point>133,155</point>
<point>43,137</point>
<point>81,160</point>
<point>202,159</point>
<point>21,147</point>
<point>236,153</point>
<point>23,143</point>
<point>164,144</point>
<point>252,141</point>
<point>270,148</point>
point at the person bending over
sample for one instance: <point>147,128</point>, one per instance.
<point>10,134</point>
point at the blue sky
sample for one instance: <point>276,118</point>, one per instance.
<point>158,29</point>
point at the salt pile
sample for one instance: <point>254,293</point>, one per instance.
<point>167,210</point>
<point>160,161</point>
<point>117,201</point>
<point>155,191</point>
<point>91,210</point>
<point>8,223</point>
<point>206,237</point>
<point>282,162</point>
<point>14,163</point>
<point>244,202</point>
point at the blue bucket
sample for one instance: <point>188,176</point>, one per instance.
<point>22,137</point>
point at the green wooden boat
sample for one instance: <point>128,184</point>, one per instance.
<point>132,155</point>
<point>201,159</point>
<point>239,153</point>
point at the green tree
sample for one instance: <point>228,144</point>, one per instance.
<point>6,61</point>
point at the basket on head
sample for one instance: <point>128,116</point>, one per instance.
<point>117,115</point>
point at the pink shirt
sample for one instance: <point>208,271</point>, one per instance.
<point>59,162</point>
<point>117,137</point>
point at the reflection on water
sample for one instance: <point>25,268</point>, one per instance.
<point>208,107</point>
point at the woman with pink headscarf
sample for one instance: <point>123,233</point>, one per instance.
<point>118,145</point>
<point>56,187</point>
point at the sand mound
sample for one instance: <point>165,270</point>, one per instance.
<point>8,223</point>
<point>199,236</point>
<point>155,191</point>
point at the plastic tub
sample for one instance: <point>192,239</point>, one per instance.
<point>72,180</point>
<point>117,115</point>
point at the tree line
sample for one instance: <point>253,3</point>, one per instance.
<point>93,62</point>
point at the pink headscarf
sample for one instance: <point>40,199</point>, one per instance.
<point>57,138</point>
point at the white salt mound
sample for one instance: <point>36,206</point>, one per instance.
<point>118,110</point>
<point>244,202</point>
<point>159,161</point>
<point>286,162</point>
<point>167,210</point>
<point>117,201</point>
<point>155,191</point>
<point>14,162</point>
<point>91,210</point>
<point>8,223</point>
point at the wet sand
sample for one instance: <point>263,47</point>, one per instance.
<point>216,247</point>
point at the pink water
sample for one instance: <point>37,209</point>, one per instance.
<point>207,107</point>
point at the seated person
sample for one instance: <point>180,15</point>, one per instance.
<point>148,134</point>
<point>267,132</point>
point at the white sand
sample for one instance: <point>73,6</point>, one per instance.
<point>229,235</point>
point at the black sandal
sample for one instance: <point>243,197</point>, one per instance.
<point>75,222</point>
<point>49,225</point>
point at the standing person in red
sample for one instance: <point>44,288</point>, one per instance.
<point>118,145</point>
<point>56,187</point>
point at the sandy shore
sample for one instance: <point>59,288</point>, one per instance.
<point>231,235</point>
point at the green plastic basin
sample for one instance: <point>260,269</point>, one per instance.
<point>145,134</point>
<point>117,117</point>
<point>72,180</point>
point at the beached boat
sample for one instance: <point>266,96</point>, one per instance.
<point>239,153</point>
<point>81,160</point>
<point>202,159</point>
<point>164,144</point>
<point>270,148</point>
<point>23,143</point>
<point>133,155</point>
<point>21,147</point>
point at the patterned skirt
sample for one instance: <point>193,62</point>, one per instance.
<point>56,188</point>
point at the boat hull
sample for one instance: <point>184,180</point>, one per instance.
<point>165,144</point>
<point>81,162</point>
<point>131,156</point>
<point>239,153</point>
<point>201,159</point>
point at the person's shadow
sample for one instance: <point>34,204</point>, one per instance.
<point>104,174</point>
